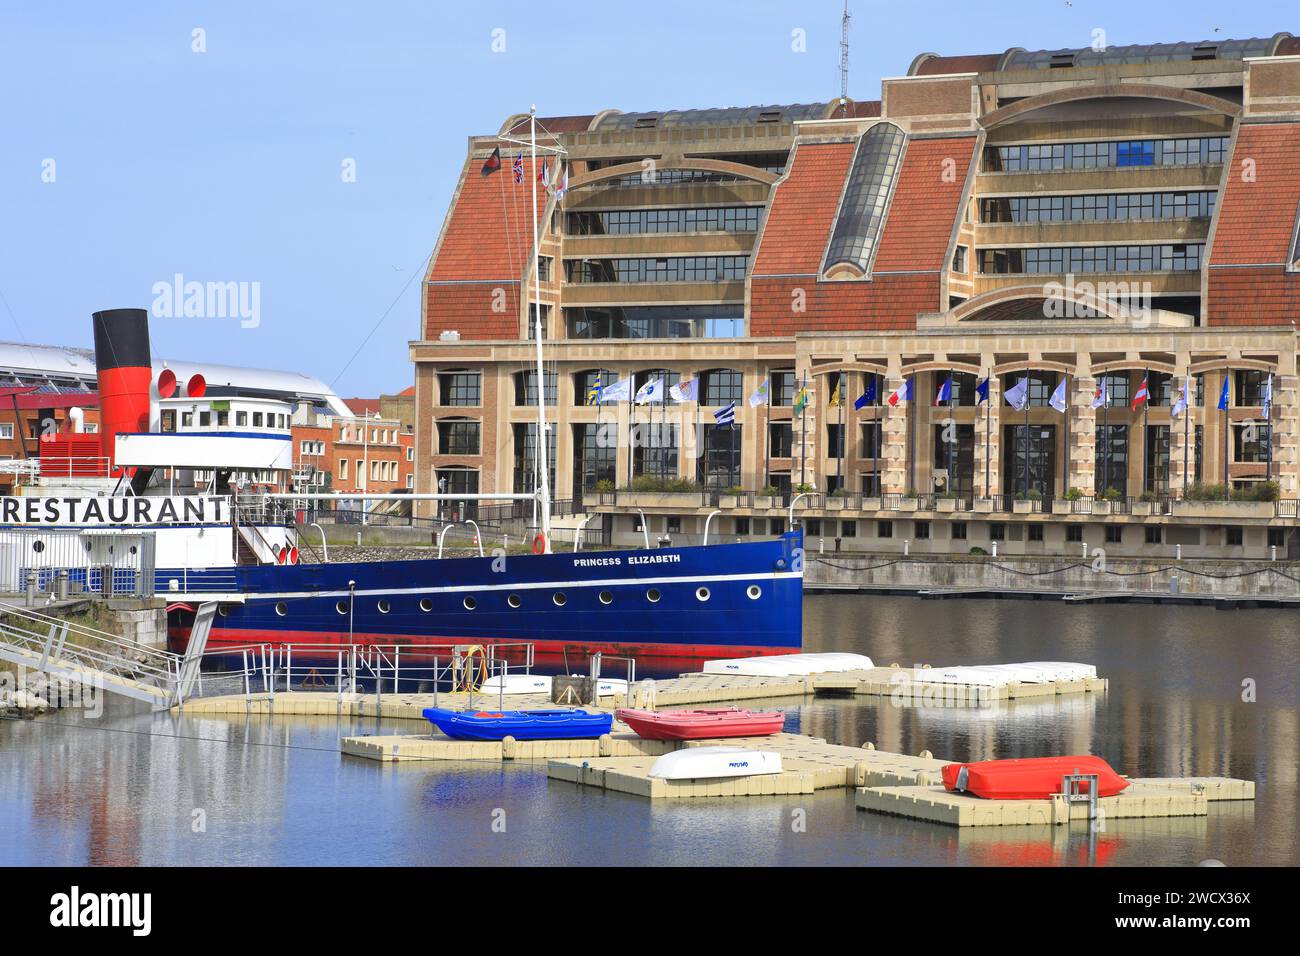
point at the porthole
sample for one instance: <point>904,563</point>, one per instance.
<point>38,546</point>
<point>754,592</point>
<point>384,607</point>
<point>281,608</point>
<point>559,599</point>
<point>341,607</point>
<point>653,595</point>
<point>426,605</point>
<point>222,610</point>
<point>701,594</point>
<point>606,597</point>
<point>514,601</point>
<point>469,603</point>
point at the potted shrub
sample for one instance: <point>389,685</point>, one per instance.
<point>767,498</point>
<point>909,502</point>
<point>837,500</point>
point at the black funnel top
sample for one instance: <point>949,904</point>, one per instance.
<point>121,339</point>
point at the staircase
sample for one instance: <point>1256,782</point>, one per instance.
<point>112,663</point>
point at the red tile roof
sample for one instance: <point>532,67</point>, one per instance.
<point>1248,281</point>
<point>472,284</point>
<point>978,63</point>
<point>913,247</point>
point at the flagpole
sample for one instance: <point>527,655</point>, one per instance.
<point>1227,427</point>
<point>911,435</point>
<point>988,437</point>
<point>1268,462</point>
<point>1026,489</point>
<point>843,436</point>
<point>803,437</point>
<point>875,445</point>
<point>1146,430</point>
<point>545,483</point>
<point>767,437</point>
<point>1105,433</point>
<point>1187,414</point>
<point>1065,478</point>
<point>952,446</point>
<point>631,428</point>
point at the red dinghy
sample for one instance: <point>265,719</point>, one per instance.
<point>1028,778</point>
<point>702,724</point>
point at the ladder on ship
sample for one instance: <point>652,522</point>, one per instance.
<point>114,664</point>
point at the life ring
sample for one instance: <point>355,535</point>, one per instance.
<point>539,544</point>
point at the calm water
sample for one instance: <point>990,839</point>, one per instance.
<point>124,788</point>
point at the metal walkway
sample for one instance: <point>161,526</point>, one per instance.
<point>114,664</point>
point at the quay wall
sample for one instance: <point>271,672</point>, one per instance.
<point>1277,579</point>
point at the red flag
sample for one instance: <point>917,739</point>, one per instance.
<point>1141,395</point>
<point>492,163</point>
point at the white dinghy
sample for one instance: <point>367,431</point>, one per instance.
<point>710,763</point>
<point>541,684</point>
<point>1065,670</point>
<point>973,676</point>
<point>789,665</point>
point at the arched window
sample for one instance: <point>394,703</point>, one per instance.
<point>526,387</point>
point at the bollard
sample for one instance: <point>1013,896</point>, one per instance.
<point>31,588</point>
<point>1178,552</point>
<point>1085,550</point>
<point>61,584</point>
<point>1272,552</point>
<point>907,547</point>
<point>995,549</point>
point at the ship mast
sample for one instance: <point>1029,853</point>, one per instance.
<point>544,480</point>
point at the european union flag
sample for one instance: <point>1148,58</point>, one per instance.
<point>868,397</point>
<point>1223,396</point>
<point>982,390</point>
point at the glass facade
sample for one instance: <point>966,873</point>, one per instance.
<point>721,385</point>
<point>460,388</point>
<point>1083,259</point>
<point>458,437</point>
<point>636,222</point>
<point>525,441</point>
<point>657,322</point>
<point>1111,461</point>
<point>719,464</point>
<point>668,269</point>
<point>1099,207</point>
<point>1099,155</point>
<point>1157,459</point>
<point>526,387</point>
<point>596,453</point>
<point>1036,445</point>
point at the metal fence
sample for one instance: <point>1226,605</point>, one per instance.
<point>113,564</point>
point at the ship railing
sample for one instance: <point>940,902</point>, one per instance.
<point>348,669</point>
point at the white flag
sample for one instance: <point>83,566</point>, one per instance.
<point>651,391</point>
<point>1184,399</point>
<point>688,391</point>
<point>1102,395</point>
<point>1018,395</point>
<point>760,395</point>
<point>1058,400</point>
<point>620,391</point>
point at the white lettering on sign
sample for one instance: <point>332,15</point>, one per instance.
<point>115,511</point>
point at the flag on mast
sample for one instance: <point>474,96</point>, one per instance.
<point>1223,395</point>
<point>835,395</point>
<point>620,391</point>
<point>688,391</point>
<point>651,391</point>
<point>1184,399</point>
<point>1058,400</point>
<point>562,183</point>
<point>1102,395</point>
<point>492,163</point>
<point>945,393</point>
<point>760,396</point>
<point>726,415</point>
<point>519,168</point>
<point>982,392</point>
<point>868,397</point>
<point>593,392</point>
<point>1141,396</point>
<point>1018,394</point>
<point>901,394</point>
<point>1268,397</point>
<point>801,399</point>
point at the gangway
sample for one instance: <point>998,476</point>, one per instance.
<point>115,664</point>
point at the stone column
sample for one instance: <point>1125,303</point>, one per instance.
<point>1082,437</point>
<point>989,441</point>
<point>1286,433</point>
<point>893,453</point>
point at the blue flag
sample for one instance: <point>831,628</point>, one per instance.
<point>868,397</point>
<point>945,393</point>
<point>982,390</point>
<point>725,416</point>
<point>1223,396</point>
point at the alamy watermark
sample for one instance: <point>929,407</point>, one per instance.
<point>182,299</point>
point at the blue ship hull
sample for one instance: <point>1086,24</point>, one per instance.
<point>715,601</point>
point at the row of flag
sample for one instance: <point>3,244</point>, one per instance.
<point>553,176</point>
<point>1017,396</point>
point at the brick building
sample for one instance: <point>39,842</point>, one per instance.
<point>1083,220</point>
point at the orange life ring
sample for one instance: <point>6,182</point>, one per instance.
<point>539,544</point>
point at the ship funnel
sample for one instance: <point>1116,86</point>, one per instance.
<point>122,365</point>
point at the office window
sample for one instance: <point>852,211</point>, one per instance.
<point>526,389</point>
<point>721,385</point>
<point>959,531</point>
<point>6,431</point>
<point>921,530</point>
<point>458,437</point>
<point>997,531</point>
<point>1074,533</point>
<point>1114,534</point>
<point>780,437</point>
<point>884,529</point>
<point>461,388</point>
<point>1232,535</point>
<point>848,529</point>
<point>1153,534</point>
<point>1277,537</point>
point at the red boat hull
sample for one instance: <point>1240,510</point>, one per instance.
<point>1030,778</point>
<point>702,724</point>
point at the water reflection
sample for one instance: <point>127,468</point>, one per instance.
<point>133,787</point>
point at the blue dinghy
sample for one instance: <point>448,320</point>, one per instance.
<point>520,724</point>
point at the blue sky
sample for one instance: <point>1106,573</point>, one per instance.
<point>226,165</point>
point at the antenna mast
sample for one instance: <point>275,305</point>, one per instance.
<point>844,60</point>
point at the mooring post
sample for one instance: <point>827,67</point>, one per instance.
<point>31,588</point>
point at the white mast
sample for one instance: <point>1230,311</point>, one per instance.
<point>544,480</point>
